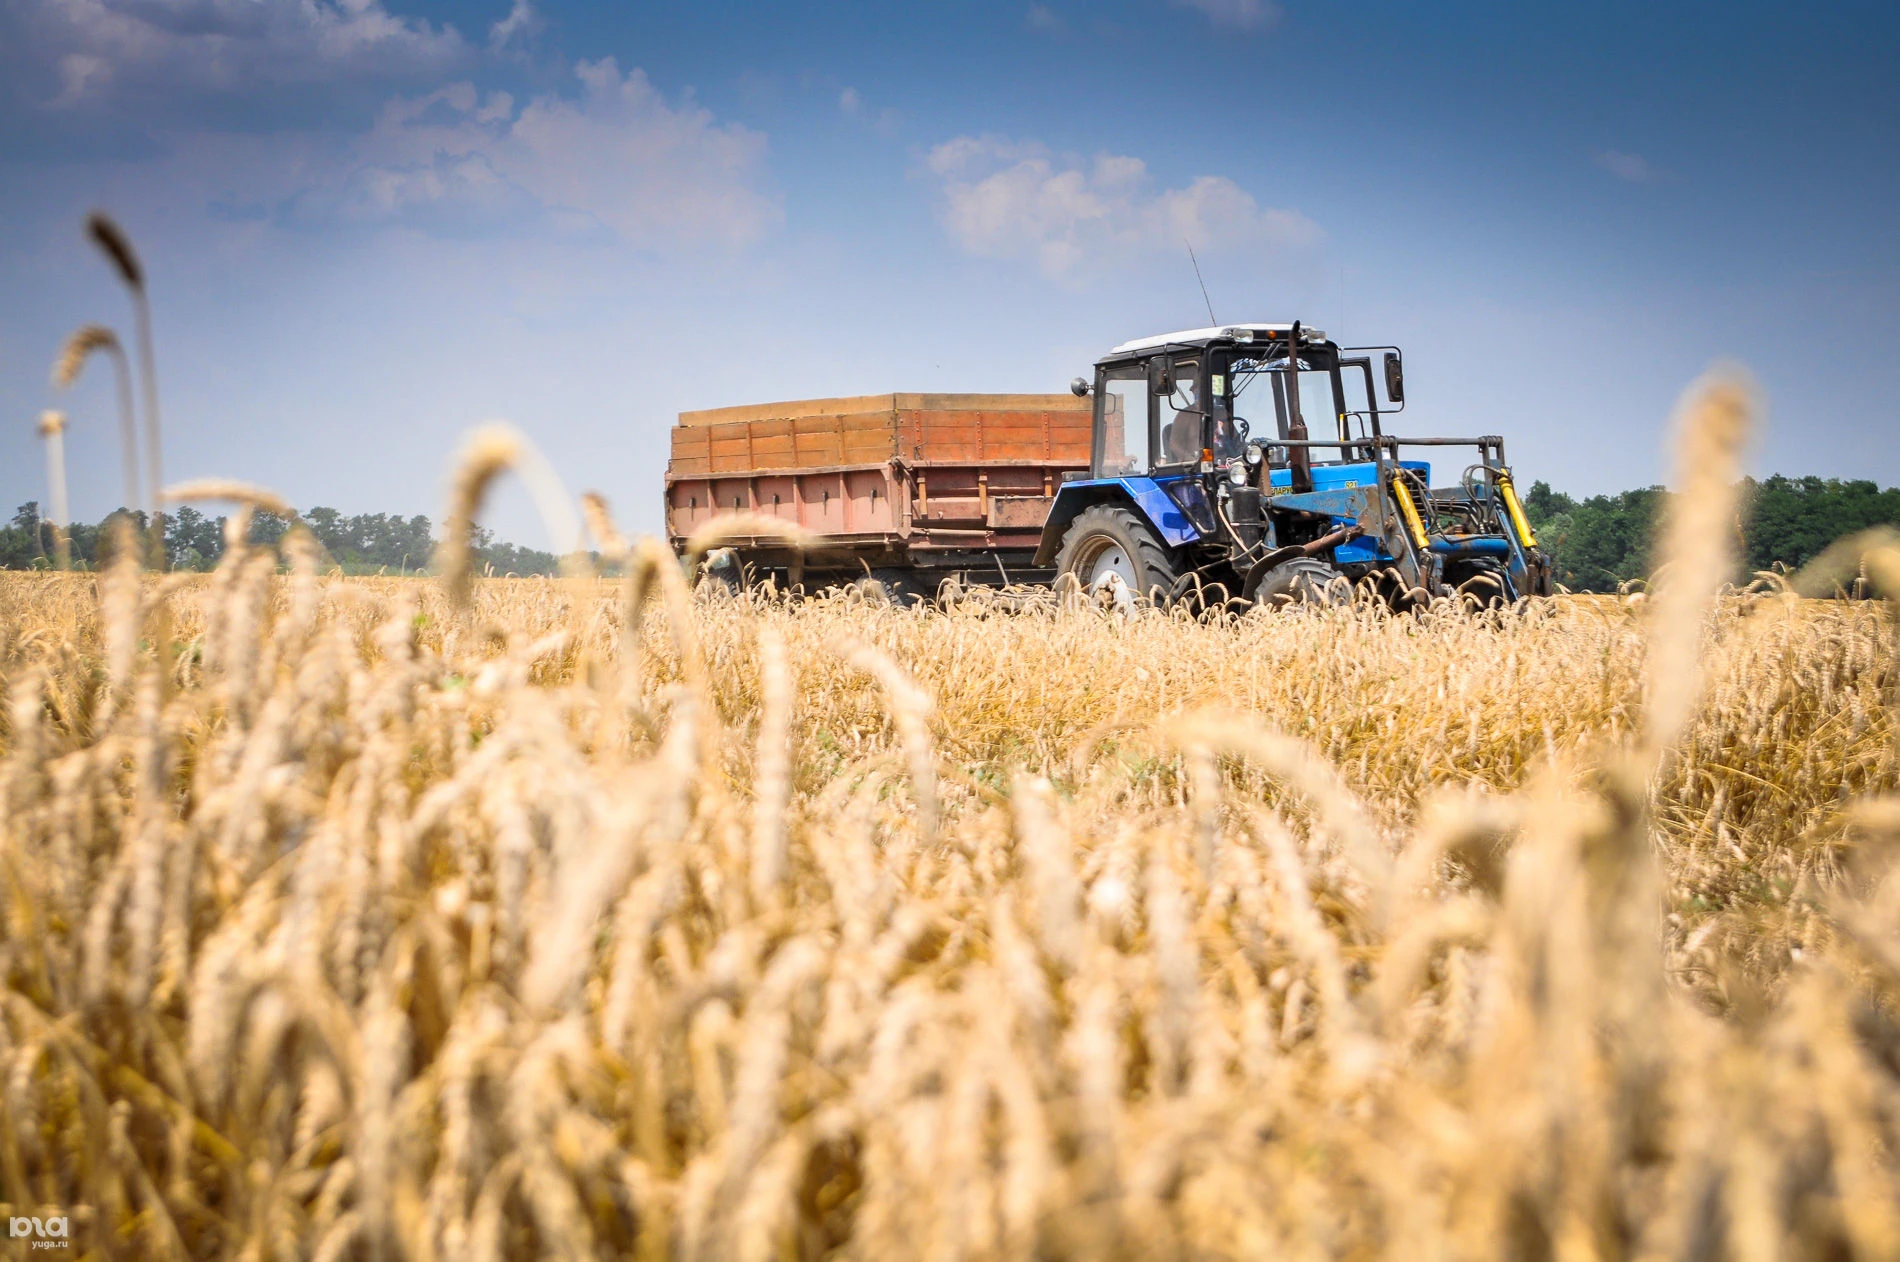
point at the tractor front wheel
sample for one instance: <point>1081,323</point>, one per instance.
<point>1302,581</point>
<point>1106,543</point>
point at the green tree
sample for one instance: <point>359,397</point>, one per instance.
<point>27,540</point>
<point>1790,521</point>
<point>192,540</point>
<point>1597,544</point>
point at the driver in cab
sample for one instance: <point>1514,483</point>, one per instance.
<point>1181,439</point>
<point>1229,438</point>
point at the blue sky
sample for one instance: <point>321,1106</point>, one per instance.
<point>373,224</point>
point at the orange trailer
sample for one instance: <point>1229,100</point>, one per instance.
<point>887,482</point>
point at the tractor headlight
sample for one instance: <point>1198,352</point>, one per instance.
<point>1254,453</point>
<point>1237,473</point>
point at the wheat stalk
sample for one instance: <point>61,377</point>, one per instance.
<point>486,455</point>
<point>117,247</point>
<point>52,428</point>
<point>86,341</point>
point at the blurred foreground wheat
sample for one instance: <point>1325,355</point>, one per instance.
<point>344,920</point>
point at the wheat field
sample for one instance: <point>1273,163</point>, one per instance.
<point>376,918</point>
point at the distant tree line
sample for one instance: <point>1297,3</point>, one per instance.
<point>368,543</point>
<point>1600,543</point>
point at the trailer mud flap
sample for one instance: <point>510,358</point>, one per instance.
<point>1019,512</point>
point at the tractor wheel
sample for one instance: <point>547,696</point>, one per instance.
<point>1482,585</point>
<point>723,571</point>
<point>1302,581</point>
<point>1107,542</point>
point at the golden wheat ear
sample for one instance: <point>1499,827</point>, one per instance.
<point>1871,557</point>
<point>738,527</point>
<point>1697,547</point>
<point>257,498</point>
<point>600,524</point>
<point>910,708</point>
<point>85,342</point>
<point>488,453</point>
<point>116,246</point>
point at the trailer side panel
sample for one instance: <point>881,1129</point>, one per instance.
<point>886,480</point>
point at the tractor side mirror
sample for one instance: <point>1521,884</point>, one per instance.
<point>1394,377</point>
<point>1161,376</point>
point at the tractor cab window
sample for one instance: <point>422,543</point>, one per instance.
<point>1124,429</point>
<point>1259,385</point>
<point>1359,413</point>
<point>1359,405</point>
<point>1181,416</point>
<point>1229,433</point>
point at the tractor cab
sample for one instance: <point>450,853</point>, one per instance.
<point>1255,458</point>
<point>1162,402</point>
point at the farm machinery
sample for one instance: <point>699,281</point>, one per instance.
<point>1252,460</point>
<point>1246,462</point>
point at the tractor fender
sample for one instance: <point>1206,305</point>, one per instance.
<point>1144,497</point>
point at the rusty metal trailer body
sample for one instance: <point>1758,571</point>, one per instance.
<point>907,486</point>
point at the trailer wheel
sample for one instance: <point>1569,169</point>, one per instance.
<point>1301,581</point>
<point>723,571</point>
<point>1107,541</point>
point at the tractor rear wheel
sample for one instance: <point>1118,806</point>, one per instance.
<point>1107,542</point>
<point>1302,581</point>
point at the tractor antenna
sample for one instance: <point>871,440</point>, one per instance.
<point>1197,276</point>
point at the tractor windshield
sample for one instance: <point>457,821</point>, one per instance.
<point>1262,384</point>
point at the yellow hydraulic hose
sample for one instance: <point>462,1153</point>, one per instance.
<point>1407,509</point>
<point>1511,506</point>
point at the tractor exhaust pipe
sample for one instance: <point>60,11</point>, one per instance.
<point>1301,459</point>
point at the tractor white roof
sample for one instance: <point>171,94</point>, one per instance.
<point>1198,335</point>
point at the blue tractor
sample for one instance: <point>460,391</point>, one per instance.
<point>1251,461</point>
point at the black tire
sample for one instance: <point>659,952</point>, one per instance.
<point>723,570</point>
<point>905,588</point>
<point>870,590</point>
<point>1482,584</point>
<point>1302,581</point>
<point>1108,538</point>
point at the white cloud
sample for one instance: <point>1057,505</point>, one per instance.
<point>1005,199</point>
<point>650,172</point>
<point>80,74</point>
<point>1629,166</point>
<point>884,120</point>
<point>282,110</point>
<point>1240,15</point>
<point>614,155</point>
<point>521,22</point>
<point>111,52</point>
<point>1043,18</point>
<point>444,196</point>
<point>960,155</point>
